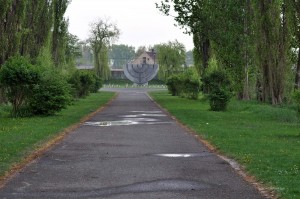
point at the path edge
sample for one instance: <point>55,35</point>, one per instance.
<point>47,145</point>
<point>265,191</point>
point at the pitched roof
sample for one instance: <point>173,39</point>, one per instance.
<point>152,54</point>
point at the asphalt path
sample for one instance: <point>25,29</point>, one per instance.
<point>131,149</point>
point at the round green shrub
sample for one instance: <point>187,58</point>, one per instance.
<point>81,83</point>
<point>217,85</point>
<point>191,87</point>
<point>18,78</point>
<point>184,85</point>
<point>173,84</point>
<point>50,96</point>
<point>96,83</point>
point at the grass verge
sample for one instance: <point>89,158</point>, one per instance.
<point>125,83</point>
<point>264,139</point>
<point>19,137</point>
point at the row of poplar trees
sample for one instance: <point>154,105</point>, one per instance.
<point>255,41</point>
<point>35,27</point>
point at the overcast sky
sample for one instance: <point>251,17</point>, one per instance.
<point>140,22</point>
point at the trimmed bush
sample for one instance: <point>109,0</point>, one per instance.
<point>185,85</point>
<point>191,87</point>
<point>50,96</point>
<point>84,82</point>
<point>18,78</point>
<point>173,84</point>
<point>217,85</point>
<point>97,83</point>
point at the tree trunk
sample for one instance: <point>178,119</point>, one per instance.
<point>205,53</point>
<point>2,97</point>
<point>272,49</point>
<point>297,78</point>
<point>246,92</point>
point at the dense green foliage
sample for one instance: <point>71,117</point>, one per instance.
<point>19,136</point>
<point>264,139</point>
<point>18,78</point>
<point>171,58</point>
<point>96,83</point>
<point>218,88</point>
<point>84,82</point>
<point>173,83</point>
<point>254,41</point>
<point>121,55</point>
<point>40,90</point>
<point>296,97</point>
<point>38,31</point>
<point>50,95</point>
<point>186,84</point>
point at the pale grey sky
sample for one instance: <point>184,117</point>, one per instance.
<point>141,24</point>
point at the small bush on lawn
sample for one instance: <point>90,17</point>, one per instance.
<point>18,78</point>
<point>97,83</point>
<point>81,83</point>
<point>218,87</point>
<point>173,84</point>
<point>185,85</point>
<point>191,84</point>
<point>51,95</point>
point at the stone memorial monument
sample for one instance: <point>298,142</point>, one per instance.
<point>143,69</point>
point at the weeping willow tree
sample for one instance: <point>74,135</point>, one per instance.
<point>101,60</point>
<point>103,34</point>
<point>171,58</point>
<point>272,48</point>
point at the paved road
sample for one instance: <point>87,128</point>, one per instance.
<point>132,149</point>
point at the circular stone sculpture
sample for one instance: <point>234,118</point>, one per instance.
<point>140,73</point>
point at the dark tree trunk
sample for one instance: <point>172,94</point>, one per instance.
<point>205,47</point>
<point>297,78</point>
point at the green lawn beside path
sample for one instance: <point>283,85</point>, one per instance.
<point>20,136</point>
<point>263,138</point>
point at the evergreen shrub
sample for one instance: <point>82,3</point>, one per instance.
<point>50,95</point>
<point>191,85</point>
<point>217,85</point>
<point>97,83</point>
<point>82,82</point>
<point>18,78</point>
<point>186,85</point>
<point>173,84</point>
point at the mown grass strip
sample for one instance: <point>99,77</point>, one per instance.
<point>20,136</point>
<point>263,138</point>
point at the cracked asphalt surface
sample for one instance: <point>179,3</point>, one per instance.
<point>132,149</point>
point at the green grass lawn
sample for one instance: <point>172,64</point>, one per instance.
<point>20,136</point>
<point>263,138</point>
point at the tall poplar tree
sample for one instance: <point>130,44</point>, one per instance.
<point>294,5</point>
<point>36,27</point>
<point>60,32</point>
<point>272,47</point>
<point>12,14</point>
